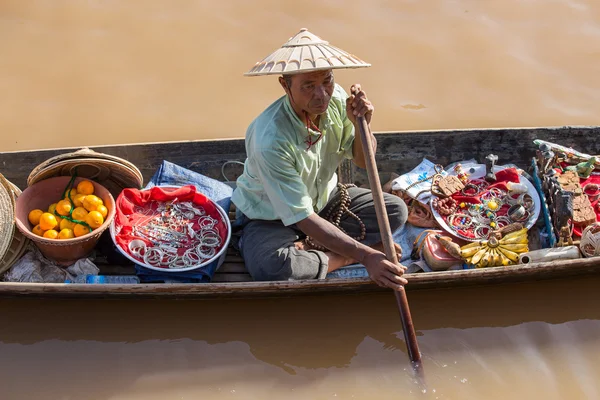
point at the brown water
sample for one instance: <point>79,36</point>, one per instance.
<point>76,73</point>
<point>524,341</point>
<point>89,72</point>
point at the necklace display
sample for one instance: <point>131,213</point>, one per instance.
<point>496,208</point>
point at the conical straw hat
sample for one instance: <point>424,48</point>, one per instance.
<point>305,52</point>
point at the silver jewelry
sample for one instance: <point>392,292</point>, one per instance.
<point>518,213</point>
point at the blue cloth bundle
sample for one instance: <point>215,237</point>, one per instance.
<point>169,174</point>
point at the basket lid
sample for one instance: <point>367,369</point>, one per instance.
<point>305,52</point>
<point>7,215</point>
<point>111,172</point>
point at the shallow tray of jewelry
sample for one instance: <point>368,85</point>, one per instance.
<point>174,235</point>
<point>498,208</point>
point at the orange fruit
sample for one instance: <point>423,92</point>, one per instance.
<point>85,187</point>
<point>92,202</point>
<point>63,207</point>
<point>34,216</point>
<point>48,221</point>
<point>73,192</point>
<point>66,224</point>
<point>102,210</point>
<point>94,219</point>
<point>80,230</point>
<point>37,230</point>
<point>51,234</point>
<point>78,199</point>
<point>52,208</point>
<point>79,214</point>
<point>66,234</point>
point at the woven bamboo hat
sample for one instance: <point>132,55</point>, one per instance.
<point>305,52</point>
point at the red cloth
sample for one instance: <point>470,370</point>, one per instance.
<point>129,199</point>
<point>502,178</point>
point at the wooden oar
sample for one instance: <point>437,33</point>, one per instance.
<point>388,243</point>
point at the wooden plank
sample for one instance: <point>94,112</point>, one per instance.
<point>448,279</point>
<point>106,269</point>
<point>232,277</point>
<point>232,267</point>
<point>233,258</point>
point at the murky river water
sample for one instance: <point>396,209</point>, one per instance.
<point>525,341</point>
<point>90,72</point>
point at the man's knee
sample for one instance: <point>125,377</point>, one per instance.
<point>397,211</point>
<point>276,266</point>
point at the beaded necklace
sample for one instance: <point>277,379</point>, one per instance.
<point>311,125</point>
<point>339,209</point>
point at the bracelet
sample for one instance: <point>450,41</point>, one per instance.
<point>470,190</point>
<point>518,213</point>
<point>465,221</point>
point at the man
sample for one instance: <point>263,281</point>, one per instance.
<point>289,203</point>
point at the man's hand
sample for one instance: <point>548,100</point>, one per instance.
<point>383,272</point>
<point>358,105</point>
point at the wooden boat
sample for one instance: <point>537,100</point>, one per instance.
<point>397,152</point>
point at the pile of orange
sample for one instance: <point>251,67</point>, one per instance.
<point>85,207</point>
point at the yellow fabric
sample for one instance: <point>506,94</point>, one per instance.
<point>282,180</point>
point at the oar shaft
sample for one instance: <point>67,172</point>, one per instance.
<point>386,236</point>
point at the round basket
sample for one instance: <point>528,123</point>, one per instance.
<point>112,172</point>
<point>19,242</point>
<point>41,195</point>
<point>219,255</point>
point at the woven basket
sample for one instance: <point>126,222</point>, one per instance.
<point>18,242</point>
<point>40,195</point>
<point>112,172</point>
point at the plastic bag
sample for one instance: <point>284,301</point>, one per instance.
<point>33,267</point>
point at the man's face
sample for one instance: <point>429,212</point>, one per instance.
<point>312,90</point>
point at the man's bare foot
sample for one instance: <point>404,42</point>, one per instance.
<point>337,261</point>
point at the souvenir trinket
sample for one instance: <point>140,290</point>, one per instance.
<point>445,206</point>
<point>563,216</point>
<point>569,180</point>
<point>449,185</point>
<point>432,247</point>
<point>583,169</point>
<point>592,191</point>
<point>516,187</point>
<point>461,174</point>
<point>583,212</point>
<point>590,240</point>
<point>490,163</point>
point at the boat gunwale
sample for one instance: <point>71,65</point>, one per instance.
<point>241,138</point>
<point>422,280</point>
